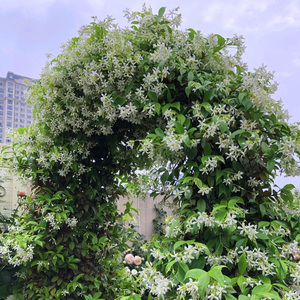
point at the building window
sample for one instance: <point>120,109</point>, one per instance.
<point>22,121</point>
<point>10,84</point>
<point>1,90</point>
<point>17,103</point>
<point>9,107</point>
<point>23,99</point>
<point>9,102</point>
<point>1,96</point>
<point>8,124</point>
<point>9,113</point>
<point>17,92</point>
<point>28,122</point>
<point>10,90</point>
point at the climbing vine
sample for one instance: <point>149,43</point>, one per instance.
<point>154,109</point>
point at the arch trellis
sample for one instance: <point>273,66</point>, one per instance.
<point>183,108</point>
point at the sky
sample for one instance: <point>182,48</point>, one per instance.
<point>33,28</point>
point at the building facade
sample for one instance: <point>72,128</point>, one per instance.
<point>14,111</point>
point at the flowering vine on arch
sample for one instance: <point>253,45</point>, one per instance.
<point>184,108</point>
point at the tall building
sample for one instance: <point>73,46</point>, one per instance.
<point>14,111</point>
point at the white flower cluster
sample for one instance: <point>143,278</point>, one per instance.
<point>190,288</point>
<point>55,223</point>
<point>15,254</point>
<point>154,281</point>
<point>258,260</point>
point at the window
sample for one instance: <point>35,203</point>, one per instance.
<point>8,124</point>
<point>1,96</point>
<point>23,104</point>
<point>17,103</point>
<point>10,84</point>
<point>9,102</point>
<point>1,90</point>
<point>18,86</point>
<point>16,120</point>
<point>17,92</point>
<point>9,113</point>
<point>23,109</point>
<point>28,122</point>
<point>29,117</point>
<point>17,97</point>
<point>1,107</point>
<point>22,115</point>
<point>10,90</point>
<point>8,140</point>
<point>9,118</point>
<point>10,95</point>
<point>16,114</point>
<point>9,107</point>
<point>22,121</point>
<point>23,99</point>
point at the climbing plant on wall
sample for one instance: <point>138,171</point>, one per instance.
<point>155,109</point>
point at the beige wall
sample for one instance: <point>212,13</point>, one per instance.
<point>9,201</point>
<point>147,213</point>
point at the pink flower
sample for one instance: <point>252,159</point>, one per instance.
<point>296,256</point>
<point>129,259</point>
<point>21,193</point>
<point>137,260</point>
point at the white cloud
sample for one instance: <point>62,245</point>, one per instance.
<point>289,17</point>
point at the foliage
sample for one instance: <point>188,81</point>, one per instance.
<point>159,221</point>
<point>183,108</point>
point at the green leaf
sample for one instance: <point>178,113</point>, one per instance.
<point>201,205</point>
<point>161,11</point>
<point>194,273</point>
<point>242,265</point>
<point>261,289</point>
<point>270,165</point>
<point>237,132</point>
<point>203,280</point>
<point>164,177</point>
<point>198,183</point>
<point>157,107</point>
<point>215,273</point>
<point>72,245</point>
<point>181,118</point>
<point>152,96</point>
<point>179,127</point>
<point>159,132</point>
<point>190,76</point>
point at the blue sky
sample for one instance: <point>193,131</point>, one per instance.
<point>30,29</point>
